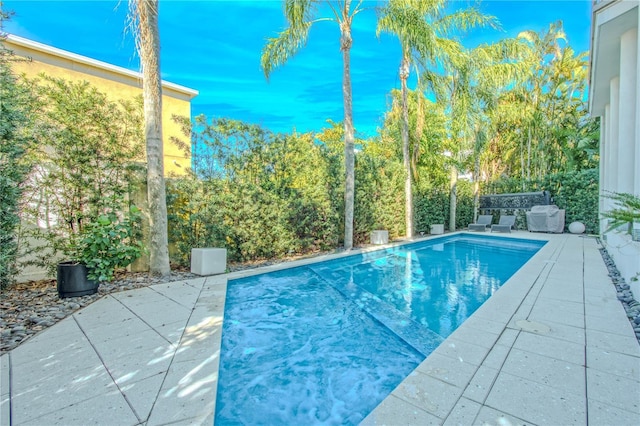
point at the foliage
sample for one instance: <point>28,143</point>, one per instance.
<point>109,243</point>
<point>425,31</point>
<point>86,150</point>
<point>577,193</point>
<point>627,211</point>
<point>574,191</point>
<point>379,195</point>
<point>432,207</point>
<point>300,16</point>
<point>266,195</point>
<point>195,211</point>
<point>464,208</point>
<point>270,195</point>
<point>541,125</point>
<point>15,165</point>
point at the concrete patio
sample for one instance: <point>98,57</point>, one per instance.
<point>552,347</point>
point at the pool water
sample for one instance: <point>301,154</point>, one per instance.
<point>327,342</point>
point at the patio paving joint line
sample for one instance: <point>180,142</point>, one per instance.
<point>146,323</point>
<point>584,325</point>
<point>410,402</point>
<point>173,356</point>
<point>10,388</point>
<point>173,300</point>
<point>135,413</point>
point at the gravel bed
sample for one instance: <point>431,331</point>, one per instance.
<point>625,295</point>
<point>28,308</point>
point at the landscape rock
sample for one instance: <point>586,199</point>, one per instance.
<point>22,303</point>
<point>624,293</point>
<point>29,308</point>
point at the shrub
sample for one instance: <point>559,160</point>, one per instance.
<point>15,164</point>
<point>464,208</point>
<point>379,201</point>
<point>275,196</point>
<point>109,243</point>
<point>431,208</point>
<point>574,191</point>
<point>626,212</point>
<point>86,153</point>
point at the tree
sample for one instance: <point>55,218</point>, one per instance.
<point>144,16</point>
<point>544,49</point>
<point>424,30</point>
<point>301,15</point>
<point>540,124</point>
<point>476,79</point>
<point>427,121</point>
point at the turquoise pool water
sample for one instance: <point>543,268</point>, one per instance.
<point>327,342</point>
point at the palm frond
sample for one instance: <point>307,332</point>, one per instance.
<point>465,20</point>
<point>279,50</point>
<point>627,211</point>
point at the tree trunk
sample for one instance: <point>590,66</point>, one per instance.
<point>149,49</point>
<point>349,155</point>
<point>529,155</point>
<point>408,194</point>
<point>522,168</point>
<point>453,199</point>
<point>476,187</point>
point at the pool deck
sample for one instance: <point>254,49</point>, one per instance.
<point>552,347</point>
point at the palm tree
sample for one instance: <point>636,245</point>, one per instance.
<point>476,80</point>
<point>545,47</point>
<point>424,29</point>
<point>300,15</point>
<point>144,18</point>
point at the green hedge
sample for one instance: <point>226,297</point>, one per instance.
<point>432,207</point>
<point>15,164</point>
<point>279,194</point>
<point>576,192</point>
<point>272,195</point>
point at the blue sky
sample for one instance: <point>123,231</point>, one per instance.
<point>214,47</point>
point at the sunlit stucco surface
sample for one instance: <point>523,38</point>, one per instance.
<point>117,83</point>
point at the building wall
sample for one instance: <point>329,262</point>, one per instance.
<point>117,83</point>
<point>615,98</point>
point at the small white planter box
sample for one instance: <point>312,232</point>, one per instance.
<point>208,261</point>
<point>380,237</point>
<point>437,229</point>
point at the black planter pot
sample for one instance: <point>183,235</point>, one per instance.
<point>73,281</point>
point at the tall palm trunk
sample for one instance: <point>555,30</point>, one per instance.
<point>453,199</point>
<point>149,49</point>
<point>529,154</point>
<point>476,187</point>
<point>349,155</point>
<point>522,168</point>
<point>408,195</point>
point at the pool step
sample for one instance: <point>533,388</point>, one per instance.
<point>413,333</point>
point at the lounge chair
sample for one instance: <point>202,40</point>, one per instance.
<point>484,221</point>
<point>505,224</point>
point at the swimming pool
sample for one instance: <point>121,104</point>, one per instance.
<point>327,342</point>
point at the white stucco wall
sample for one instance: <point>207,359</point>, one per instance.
<point>615,97</point>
